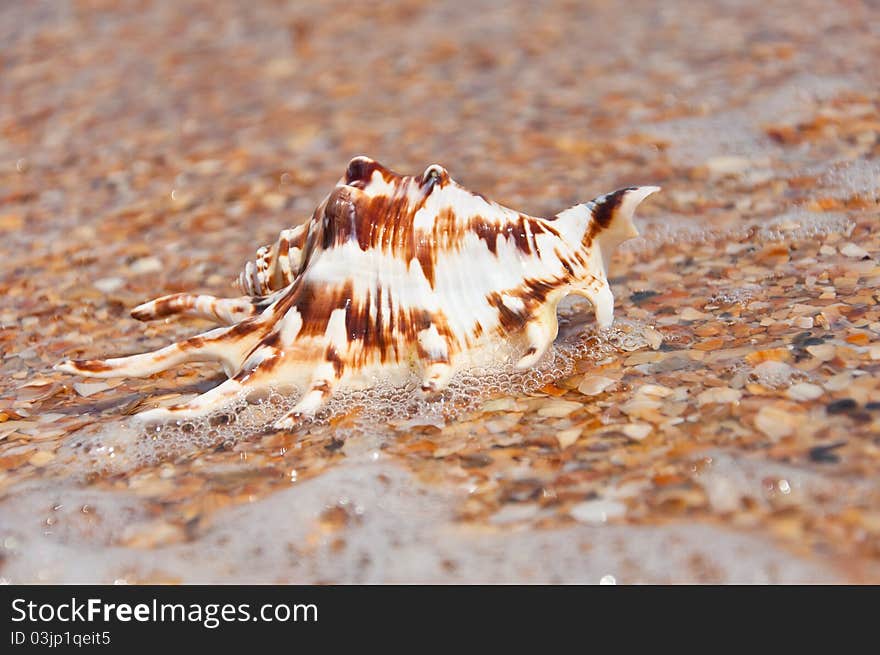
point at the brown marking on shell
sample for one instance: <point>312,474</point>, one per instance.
<point>371,333</point>
<point>603,213</point>
<point>360,171</point>
<point>522,232</point>
<point>323,386</point>
<point>509,319</point>
<point>441,238</point>
<point>244,328</point>
<point>161,308</point>
<point>315,304</point>
<point>271,340</point>
<point>332,356</point>
<point>92,365</point>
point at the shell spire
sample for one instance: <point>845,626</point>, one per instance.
<point>393,275</point>
<point>607,221</point>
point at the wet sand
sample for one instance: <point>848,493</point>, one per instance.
<point>727,429</point>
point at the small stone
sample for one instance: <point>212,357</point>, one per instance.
<point>722,493</point>
<point>146,265</point>
<point>654,390</point>
<point>41,458</point>
<point>637,431</point>
<point>653,337</point>
<point>719,395</point>
<point>639,297</point>
<point>803,322</point>
<point>773,374</point>
<point>500,405</point>
<point>593,385</point>
<point>838,382</point>
<point>823,352</point>
<point>727,165</point>
<point>108,284</point>
<point>640,408</point>
<point>842,406</point>
<point>775,422</point>
<point>827,250</point>
<point>597,511</point>
<point>514,513</point>
<point>826,454</point>
<point>646,357</point>
<point>559,408</point>
<point>854,251</point>
<point>568,437</point>
<point>691,314</point>
<point>804,391</point>
<point>769,355</point>
<point>86,389</point>
<point>274,201</point>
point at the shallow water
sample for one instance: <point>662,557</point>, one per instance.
<point>724,430</point>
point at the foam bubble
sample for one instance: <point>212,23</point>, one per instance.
<point>855,179</point>
<point>131,444</point>
<point>776,375</point>
<point>795,225</point>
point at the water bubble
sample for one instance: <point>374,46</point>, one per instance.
<point>370,412</point>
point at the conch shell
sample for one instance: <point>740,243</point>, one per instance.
<point>393,275</point>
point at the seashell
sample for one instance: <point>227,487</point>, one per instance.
<point>392,275</point>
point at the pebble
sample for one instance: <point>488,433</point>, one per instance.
<point>500,405</point>
<point>274,201</point>
<point>593,385</point>
<point>597,511</point>
<point>41,458</point>
<point>691,314</point>
<point>146,265</point>
<point>654,390</point>
<point>645,357</point>
<point>826,454</point>
<point>568,437</point>
<point>823,352</point>
<point>804,391</point>
<point>640,408</point>
<point>775,422</point>
<point>773,374</point>
<point>727,165</point>
<point>653,337</point>
<point>559,408</point>
<point>841,406</point>
<point>768,355</point>
<point>839,382</point>
<point>87,389</point>
<point>637,431</point>
<point>854,251</point>
<point>514,513</point>
<point>108,284</point>
<point>719,395</point>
